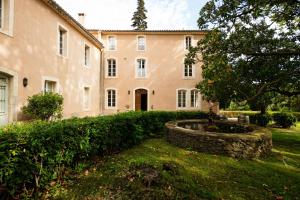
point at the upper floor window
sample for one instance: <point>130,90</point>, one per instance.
<point>141,68</point>
<point>141,43</point>
<point>111,68</point>
<point>111,98</point>
<point>188,70</point>
<point>86,98</point>
<point>188,42</point>
<point>50,86</point>
<point>194,98</point>
<point>87,55</point>
<point>6,16</point>
<point>181,99</point>
<point>112,43</point>
<point>1,13</point>
<point>62,41</point>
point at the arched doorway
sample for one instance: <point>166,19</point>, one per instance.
<point>141,100</point>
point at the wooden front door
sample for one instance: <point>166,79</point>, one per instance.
<point>141,100</point>
<point>3,100</point>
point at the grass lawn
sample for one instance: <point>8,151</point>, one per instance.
<point>158,170</point>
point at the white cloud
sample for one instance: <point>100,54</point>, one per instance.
<point>117,14</point>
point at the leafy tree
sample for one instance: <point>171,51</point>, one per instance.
<point>251,52</point>
<point>44,106</point>
<point>139,17</point>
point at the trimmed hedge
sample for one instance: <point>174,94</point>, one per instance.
<point>34,154</point>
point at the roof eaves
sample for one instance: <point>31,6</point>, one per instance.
<point>64,14</point>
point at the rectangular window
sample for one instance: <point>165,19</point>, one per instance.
<point>141,43</point>
<point>188,71</point>
<point>62,41</point>
<point>111,68</point>
<point>111,98</point>
<point>181,99</point>
<point>86,98</point>
<point>141,68</point>
<point>50,86</point>
<point>87,55</point>
<point>112,43</point>
<point>188,42</point>
<point>1,14</point>
<point>194,98</point>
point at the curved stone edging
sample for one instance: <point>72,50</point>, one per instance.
<point>247,145</point>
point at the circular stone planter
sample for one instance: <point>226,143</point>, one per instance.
<point>190,134</point>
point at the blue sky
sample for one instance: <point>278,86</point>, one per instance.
<point>117,14</point>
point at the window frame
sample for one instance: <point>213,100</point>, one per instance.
<point>185,42</point>
<point>107,67</point>
<point>2,14</point>
<point>145,42</point>
<point>137,68</point>
<point>7,17</point>
<point>107,106</point>
<point>65,52</point>
<point>50,79</point>
<point>178,100</point>
<point>194,103</point>
<point>88,100</point>
<point>108,43</point>
<point>87,57</point>
<point>54,86</point>
<point>193,71</point>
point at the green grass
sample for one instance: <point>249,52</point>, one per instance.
<point>195,175</point>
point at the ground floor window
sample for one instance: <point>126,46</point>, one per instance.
<point>111,98</point>
<point>50,86</point>
<point>181,98</point>
<point>194,98</point>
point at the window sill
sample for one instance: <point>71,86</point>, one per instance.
<point>5,32</point>
<point>188,78</point>
<point>111,77</point>
<point>61,56</point>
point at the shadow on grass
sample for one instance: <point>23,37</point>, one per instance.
<point>200,175</point>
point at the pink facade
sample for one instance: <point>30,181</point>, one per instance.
<point>97,72</point>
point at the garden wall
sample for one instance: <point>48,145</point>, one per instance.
<point>245,145</point>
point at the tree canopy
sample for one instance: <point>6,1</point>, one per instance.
<point>251,50</point>
<point>139,17</point>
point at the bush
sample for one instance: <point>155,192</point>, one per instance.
<point>285,120</point>
<point>260,119</point>
<point>44,106</point>
<point>34,154</point>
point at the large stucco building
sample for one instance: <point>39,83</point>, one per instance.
<point>42,48</point>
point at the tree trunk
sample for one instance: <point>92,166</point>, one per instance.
<point>263,110</point>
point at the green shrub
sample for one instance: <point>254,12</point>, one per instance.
<point>44,106</point>
<point>285,120</point>
<point>34,154</point>
<point>260,119</point>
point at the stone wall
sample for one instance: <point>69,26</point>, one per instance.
<point>246,145</point>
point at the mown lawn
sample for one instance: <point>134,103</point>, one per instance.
<point>158,170</point>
